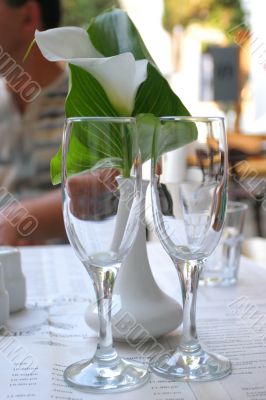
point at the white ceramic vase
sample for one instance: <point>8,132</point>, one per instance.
<point>140,307</point>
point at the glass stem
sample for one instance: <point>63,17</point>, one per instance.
<point>103,281</point>
<point>189,272</point>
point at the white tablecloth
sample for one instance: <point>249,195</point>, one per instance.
<point>39,342</point>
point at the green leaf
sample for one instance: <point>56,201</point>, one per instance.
<point>114,33</point>
<point>174,134</point>
<point>169,135</point>
<point>146,124</point>
<point>86,96</point>
<point>156,97</point>
<point>94,144</point>
<point>79,158</point>
<point>55,167</point>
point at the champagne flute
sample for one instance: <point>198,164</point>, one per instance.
<point>193,230</point>
<point>101,202</point>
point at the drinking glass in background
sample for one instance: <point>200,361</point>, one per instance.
<point>221,268</point>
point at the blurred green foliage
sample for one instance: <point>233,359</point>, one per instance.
<point>222,14</point>
<point>80,12</point>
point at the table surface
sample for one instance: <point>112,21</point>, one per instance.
<point>40,341</point>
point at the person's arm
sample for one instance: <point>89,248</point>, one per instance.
<point>33,221</point>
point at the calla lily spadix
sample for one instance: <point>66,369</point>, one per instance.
<point>120,76</point>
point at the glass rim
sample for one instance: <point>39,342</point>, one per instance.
<point>192,118</point>
<point>100,119</point>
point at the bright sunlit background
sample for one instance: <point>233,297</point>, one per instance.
<point>212,52</point>
<point>179,34</point>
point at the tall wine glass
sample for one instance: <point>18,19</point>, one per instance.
<point>101,206</point>
<point>191,232</point>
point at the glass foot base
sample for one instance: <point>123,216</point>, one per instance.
<point>195,366</point>
<point>92,376</point>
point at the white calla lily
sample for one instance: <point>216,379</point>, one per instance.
<point>120,76</point>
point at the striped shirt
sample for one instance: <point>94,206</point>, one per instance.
<point>29,141</point>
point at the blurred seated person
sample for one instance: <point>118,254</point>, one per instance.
<point>32,96</point>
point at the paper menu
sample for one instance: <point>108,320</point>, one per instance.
<point>52,330</point>
<point>46,381</point>
<point>55,273</point>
